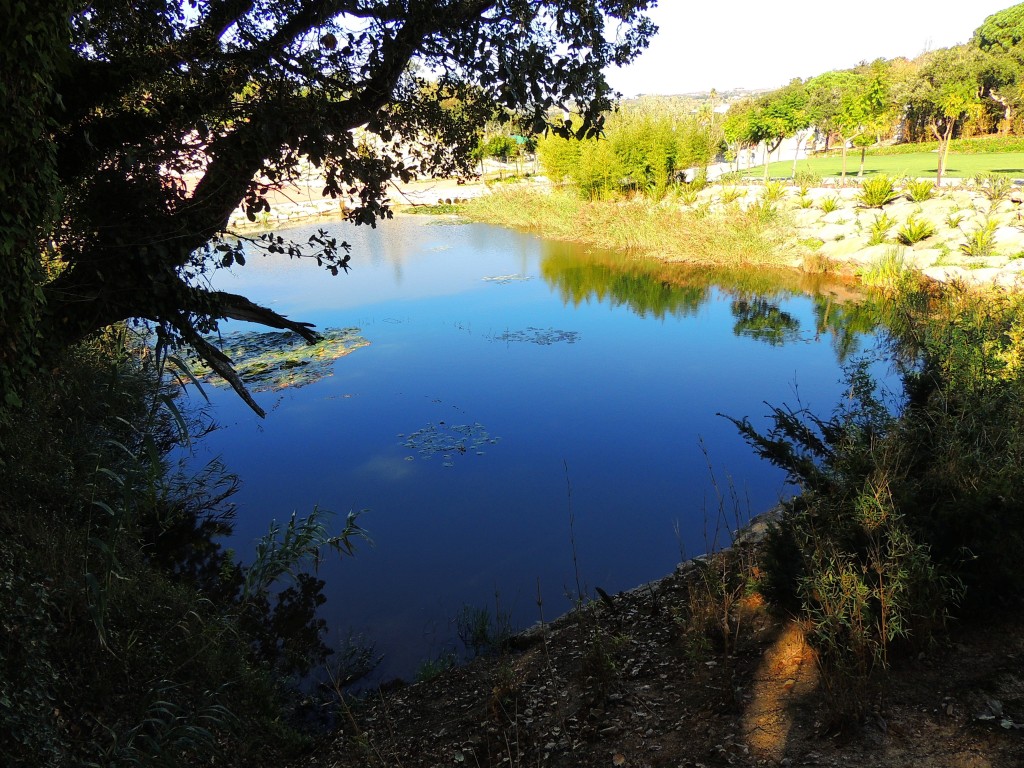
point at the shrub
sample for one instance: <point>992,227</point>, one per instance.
<point>773,192</point>
<point>877,191</point>
<point>920,190</point>
<point>763,211</point>
<point>904,510</point>
<point>806,179</point>
<point>843,552</point>
<point>981,242</point>
<point>829,204</point>
<point>880,227</point>
<point>914,230</point>
<point>954,219</point>
<point>996,187</point>
<point>688,194</point>
<point>731,194</point>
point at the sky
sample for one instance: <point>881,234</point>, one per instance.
<point>725,44</point>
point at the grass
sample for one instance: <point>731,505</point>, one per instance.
<point>636,225</point>
<point>916,165</point>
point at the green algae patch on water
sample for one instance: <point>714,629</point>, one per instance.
<point>278,359</point>
<point>448,441</point>
<point>542,336</point>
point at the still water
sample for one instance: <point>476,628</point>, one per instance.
<point>516,396</point>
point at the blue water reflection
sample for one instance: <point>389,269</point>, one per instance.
<point>587,371</point>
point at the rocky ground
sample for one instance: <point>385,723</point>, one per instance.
<point>646,678</point>
<point>959,247</point>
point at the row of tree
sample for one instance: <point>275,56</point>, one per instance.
<point>970,89</point>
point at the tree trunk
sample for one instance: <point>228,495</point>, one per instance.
<point>863,152</point>
<point>844,160</point>
<point>944,136</point>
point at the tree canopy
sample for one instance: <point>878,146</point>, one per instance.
<point>149,121</point>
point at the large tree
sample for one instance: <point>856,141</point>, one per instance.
<point>155,119</point>
<point>946,92</point>
<point>1001,37</point>
<point>780,114</point>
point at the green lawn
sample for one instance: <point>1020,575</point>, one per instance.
<point>918,164</point>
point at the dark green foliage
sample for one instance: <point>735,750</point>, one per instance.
<point>1002,31</point>
<point>33,50</point>
<point>902,511</point>
<point>126,637</point>
<point>134,131</point>
<point>846,550</point>
<point>764,320</point>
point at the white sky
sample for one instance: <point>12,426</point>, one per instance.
<point>723,44</point>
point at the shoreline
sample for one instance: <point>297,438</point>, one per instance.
<point>974,241</point>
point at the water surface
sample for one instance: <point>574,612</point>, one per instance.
<point>517,396</point>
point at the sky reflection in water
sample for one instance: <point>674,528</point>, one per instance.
<point>574,370</point>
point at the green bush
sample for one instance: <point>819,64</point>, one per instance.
<point>981,241</point>
<point>914,230</point>
<point>879,228</point>
<point>906,513</point>
<point>877,191</point>
<point>920,190</point>
<point>995,186</point>
<point>126,633</point>
<point>981,145</point>
<point>829,204</point>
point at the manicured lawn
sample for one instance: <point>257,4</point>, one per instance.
<point>918,164</point>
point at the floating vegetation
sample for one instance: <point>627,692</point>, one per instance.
<point>279,359</point>
<point>448,441</point>
<point>543,336</point>
<point>503,279</point>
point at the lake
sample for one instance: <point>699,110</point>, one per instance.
<point>526,415</point>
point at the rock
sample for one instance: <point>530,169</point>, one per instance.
<point>844,249</point>
<point>923,258</point>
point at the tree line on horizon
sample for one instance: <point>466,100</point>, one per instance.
<point>968,90</point>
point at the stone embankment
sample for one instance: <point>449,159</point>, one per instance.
<point>974,239</point>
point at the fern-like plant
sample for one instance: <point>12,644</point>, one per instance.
<point>731,194</point>
<point>955,219</point>
<point>774,191</point>
<point>877,191</point>
<point>914,230</point>
<point>920,190</point>
<point>981,242</point>
<point>829,204</point>
<point>879,229</point>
